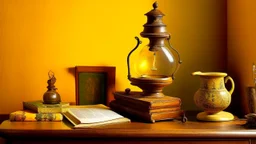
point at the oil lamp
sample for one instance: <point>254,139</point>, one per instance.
<point>155,68</point>
<point>156,64</point>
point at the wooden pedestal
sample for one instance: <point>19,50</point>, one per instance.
<point>147,109</point>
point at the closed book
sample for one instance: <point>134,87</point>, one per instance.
<point>137,114</point>
<point>135,98</point>
<point>92,116</point>
<point>20,116</point>
<point>39,107</point>
<point>141,108</point>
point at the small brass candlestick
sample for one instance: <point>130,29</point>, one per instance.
<point>51,96</point>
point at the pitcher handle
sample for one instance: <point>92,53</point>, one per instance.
<point>232,84</point>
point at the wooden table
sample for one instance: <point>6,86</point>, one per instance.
<point>168,132</point>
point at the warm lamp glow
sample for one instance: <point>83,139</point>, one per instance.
<point>152,63</point>
<point>143,66</point>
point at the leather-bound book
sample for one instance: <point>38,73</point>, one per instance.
<point>137,114</point>
<point>147,110</point>
<point>144,102</point>
<point>39,107</point>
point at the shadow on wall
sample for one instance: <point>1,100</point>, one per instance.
<point>235,105</point>
<point>71,70</point>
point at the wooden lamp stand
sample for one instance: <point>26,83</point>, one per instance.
<point>151,105</point>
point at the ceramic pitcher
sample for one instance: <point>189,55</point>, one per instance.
<point>212,95</point>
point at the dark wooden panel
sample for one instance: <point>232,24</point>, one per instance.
<point>3,117</point>
<point>113,141</point>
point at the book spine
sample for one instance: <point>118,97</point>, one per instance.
<point>29,106</point>
<point>130,112</point>
<point>126,99</point>
<point>154,104</point>
<point>164,104</point>
<point>52,110</point>
<point>148,117</point>
<point>46,109</point>
<point>33,117</point>
<point>164,109</point>
<point>167,115</point>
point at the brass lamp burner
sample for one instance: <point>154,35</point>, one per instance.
<point>152,86</point>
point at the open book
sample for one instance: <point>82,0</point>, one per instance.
<point>89,116</point>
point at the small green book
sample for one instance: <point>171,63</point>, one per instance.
<point>39,107</point>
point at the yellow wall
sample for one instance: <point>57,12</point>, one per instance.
<point>41,35</point>
<point>241,47</point>
<point>198,29</point>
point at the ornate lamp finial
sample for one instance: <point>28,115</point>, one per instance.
<point>155,5</point>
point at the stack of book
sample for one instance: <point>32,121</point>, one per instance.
<point>38,111</point>
<point>147,109</point>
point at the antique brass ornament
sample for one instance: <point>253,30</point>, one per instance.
<point>51,96</point>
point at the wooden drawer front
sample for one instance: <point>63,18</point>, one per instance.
<point>136,142</point>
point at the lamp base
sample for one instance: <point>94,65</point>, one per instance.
<point>220,116</point>
<point>147,109</point>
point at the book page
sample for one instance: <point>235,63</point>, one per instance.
<point>94,114</point>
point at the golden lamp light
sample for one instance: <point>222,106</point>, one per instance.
<point>154,68</point>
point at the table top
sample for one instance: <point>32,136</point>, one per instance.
<point>164,129</point>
